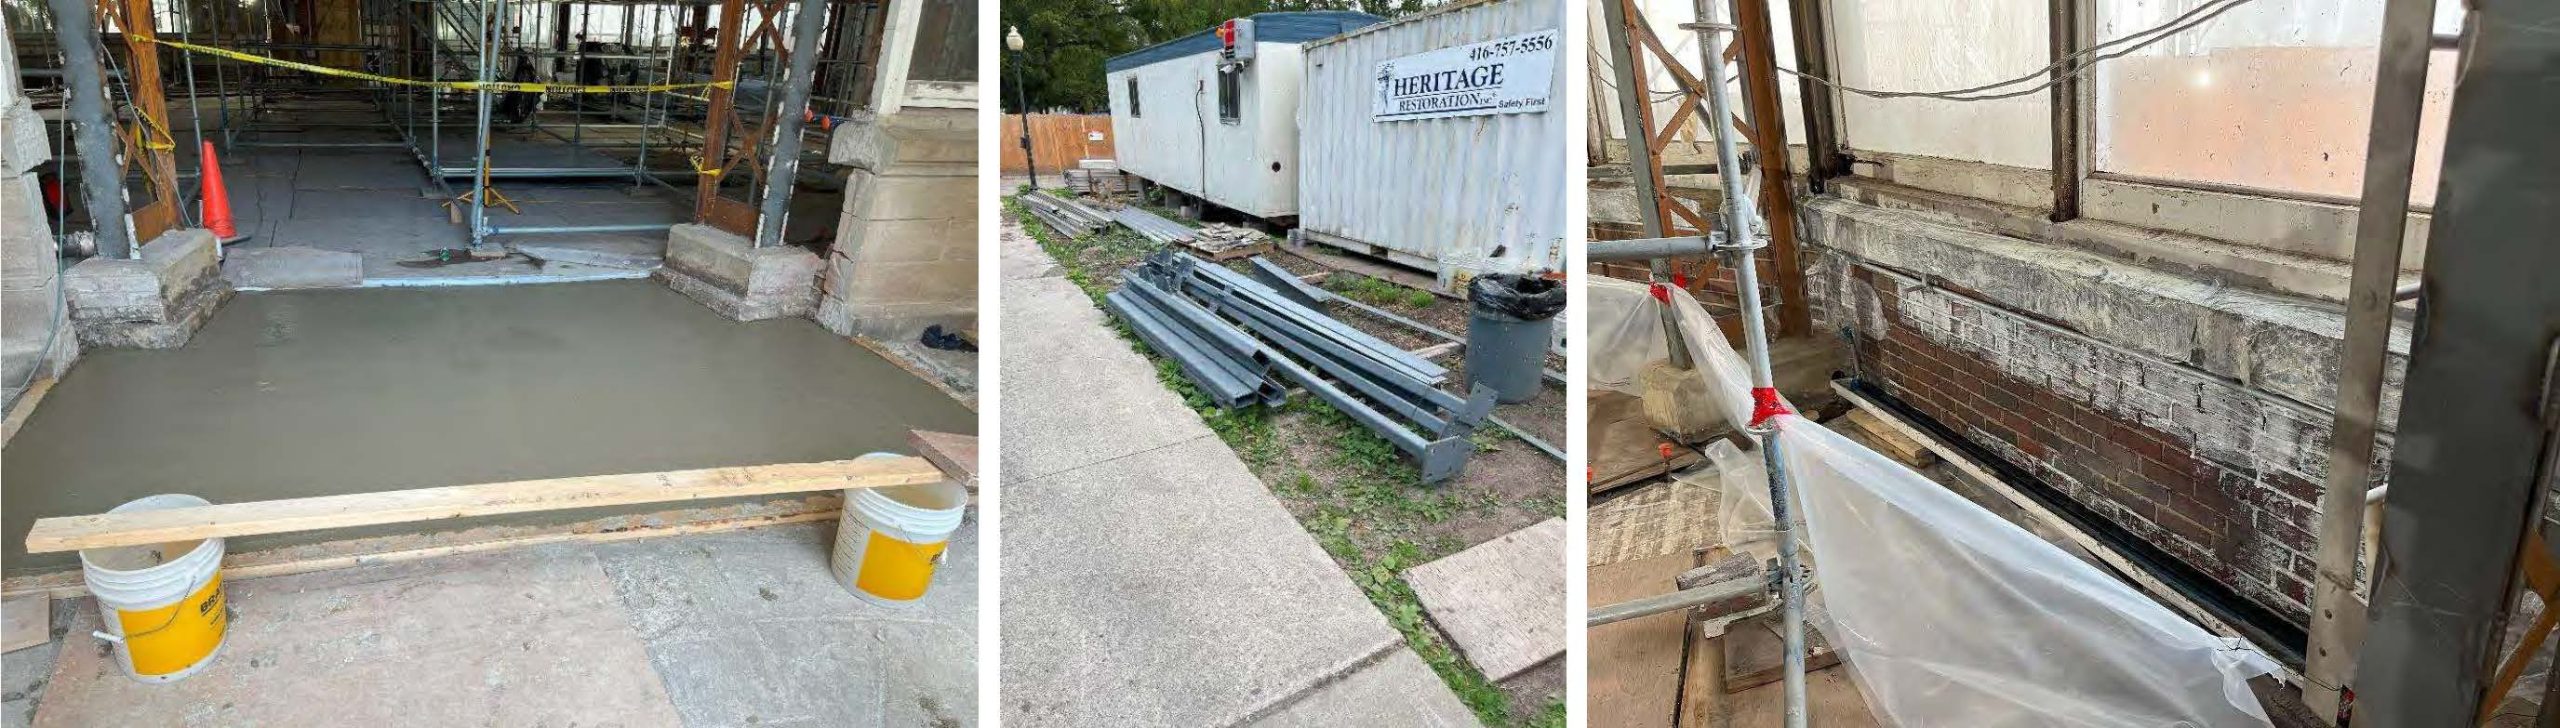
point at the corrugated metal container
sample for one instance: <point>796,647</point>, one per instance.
<point>1458,195</point>
<point>1166,115</point>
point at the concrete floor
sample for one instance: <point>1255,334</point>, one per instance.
<point>378,202</point>
<point>302,393</point>
<point>723,629</point>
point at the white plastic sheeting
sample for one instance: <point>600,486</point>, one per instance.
<point>1947,614</point>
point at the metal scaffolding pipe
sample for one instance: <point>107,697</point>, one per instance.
<point>1723,591</point>
<point>1631,110</point>
<point>1603,251</point>
<point>1741,231</point>
<point>784,172</point>
<point>93,128</point>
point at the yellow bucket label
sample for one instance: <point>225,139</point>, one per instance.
<point>175,637</point>
<point>894,569</point>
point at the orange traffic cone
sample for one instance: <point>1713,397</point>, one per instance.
<point>216,198</point>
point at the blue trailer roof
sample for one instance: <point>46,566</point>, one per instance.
<point>1294,27</point>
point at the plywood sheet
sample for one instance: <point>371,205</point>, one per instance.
<point>1635,664</point>
<point>29,621</point>
<point>1663,518</point>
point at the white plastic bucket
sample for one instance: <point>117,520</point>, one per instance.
<point>162,604</point>
<point>890,539</point>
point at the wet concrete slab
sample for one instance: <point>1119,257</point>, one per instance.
<point>303,393</point>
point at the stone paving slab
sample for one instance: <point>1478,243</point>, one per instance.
<point>1380,695</point>
<point>1167,588</point>
<point>1103,400</point>
<point>292,267</point>
<point>1502,601</point>
<point>529,637</point>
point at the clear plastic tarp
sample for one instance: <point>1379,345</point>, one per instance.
<point>1947,614</point>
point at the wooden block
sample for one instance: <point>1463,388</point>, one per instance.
<point>1755,653</point>
<point>25,622</point>
<point>1909,451</point>
<point>1438,350</point>
<point>462,501</point>
<point>956,455</point>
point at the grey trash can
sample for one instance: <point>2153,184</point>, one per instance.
<point>1508,326</point>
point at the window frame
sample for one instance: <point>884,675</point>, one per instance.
<point>1231,93</point>
<point>1133,96</point>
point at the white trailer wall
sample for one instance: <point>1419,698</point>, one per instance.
<point>1177,137</point>
<point>1457,195</point>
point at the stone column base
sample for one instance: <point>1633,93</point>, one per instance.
<point>724,272</point>
<point>156,302</point>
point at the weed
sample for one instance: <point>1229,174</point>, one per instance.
<point>1377,292</point>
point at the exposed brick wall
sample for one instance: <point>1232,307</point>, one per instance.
<point>2219,477</point>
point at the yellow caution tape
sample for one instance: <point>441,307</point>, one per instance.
<point>509,86</point>
<point>702,170</point>
<point>154,125</point>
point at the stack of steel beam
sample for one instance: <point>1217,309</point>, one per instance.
<point>1064,215</point>
<point>1242,341</point>
<point>1153,226</point>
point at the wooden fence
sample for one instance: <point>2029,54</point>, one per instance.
<point>1058,140</point>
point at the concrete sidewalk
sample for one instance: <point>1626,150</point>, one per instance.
<point>1150,578</point>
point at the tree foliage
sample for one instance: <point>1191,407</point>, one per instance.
<point>1064,42</point>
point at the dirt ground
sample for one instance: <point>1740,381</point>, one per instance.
<point>1358,495</point>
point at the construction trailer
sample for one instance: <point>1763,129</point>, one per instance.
<point>1214,114</point>
<point>1438,140</point>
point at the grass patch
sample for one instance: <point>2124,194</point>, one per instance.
<point>1358,496</point>
<point>1376,292</point>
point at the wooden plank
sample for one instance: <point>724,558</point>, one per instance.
<point>25,408</point>
<point>1625,449</point>
<point>1635,665</point>
<point>956,455</point>
<point>1754,653</point>
<point>25,622</point>
<point>350,553</point>
<point>1895,443</point>
<point>462,501</point>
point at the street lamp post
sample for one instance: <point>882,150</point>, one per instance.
<point>1013,42</point>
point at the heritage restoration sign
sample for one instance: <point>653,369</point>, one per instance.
<point>1512,75</point>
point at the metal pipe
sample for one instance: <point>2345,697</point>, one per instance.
<point>1741,234</point>
<point>2390,153</point>
<point>546,229</point>
<point>93,127</point>
<point>489,31</point>
<point>1722,591</point>
<point>785,167</point>
<point>1603,251</point>
<point>1632,112</point>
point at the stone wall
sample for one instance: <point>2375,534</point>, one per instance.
<point>36,340</point>
<point>906,252</point>
<point>2190,413</point>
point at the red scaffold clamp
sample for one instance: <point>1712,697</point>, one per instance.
<point>1765,404</point>
<point>1661,294</point>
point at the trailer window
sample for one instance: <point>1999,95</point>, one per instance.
<point>1133,96</point>
<point>1229,108</point>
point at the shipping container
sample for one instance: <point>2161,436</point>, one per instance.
<point>1221,126</point>
<point>1438,140</point>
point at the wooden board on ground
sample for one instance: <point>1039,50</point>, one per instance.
<point>1498,600</point>
<point>1635,665</point>
<point>430,504</point>
<point>1831,700</point>
<point>1625,449</point>
<point>1230,253</point>
<point>1891,441</point>
<point>1661,518</point>
<point>956,455</point>
<point>25,408</point>
<point>1755,654</point>
<point>28,622</point>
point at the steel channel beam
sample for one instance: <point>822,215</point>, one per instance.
<point>1326,326</point>
<point>1229,339</point>
<point>1281,304</point>
<point>1383,387</point>
<point>1411,388</point>
<point>1202,368</point>
<point>2338,610</point>
<point>2476,439</point>
<point>1386,427</point>
<point>1285,283</point>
